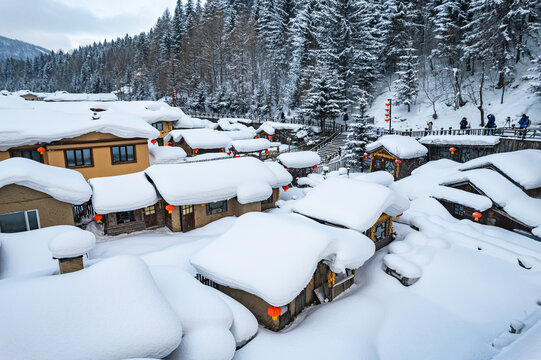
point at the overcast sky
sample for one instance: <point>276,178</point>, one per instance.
<point>66,24</point>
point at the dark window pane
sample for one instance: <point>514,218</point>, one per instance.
<point>125,217</point>
<point>36,156</point>
<point>116,154</point>
<point>70,157</point>
<point>87,157</point>
<point>122,153</point>
<point>216,207</point>
<point>32,219</point>
<point>78,157</point>
<point>10,223</point>
<point>131,156</point>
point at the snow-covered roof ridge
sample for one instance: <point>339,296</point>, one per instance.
<point>209,181</point>
<point>62,184</point>
<point>478,140</point>
<point>150,111</point>
<point>239,260</point>
<point>200,138</point>
<point>122,193</point>
<point>522,166</point>
<point>250,145</point>
<point>165,154</point>
<point>351,203</point>
<point>403,147</point>
<point>65,96</point>
<point>299,159</point>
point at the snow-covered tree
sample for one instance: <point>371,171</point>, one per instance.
<point>407,83</point>
<point>356,143</point>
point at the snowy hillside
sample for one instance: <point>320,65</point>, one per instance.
<point>11,48</point>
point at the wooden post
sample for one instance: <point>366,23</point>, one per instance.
<point>69,265</point>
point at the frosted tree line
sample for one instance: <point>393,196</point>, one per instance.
<point>321,58</point>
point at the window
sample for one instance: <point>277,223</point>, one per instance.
<point>216,207</point>
<point>267,201</point>
<point>459,209</point>
<point>158,126</point>
<point>122,154</point>
<point>78,157</point>
<point>150,210</point>
<point>389,166</point>
<point>29,154</point>
<point>125,217</point>
<point>19,221</point>
<point>444,153</point>
<point>381,231</point>
<point>466,154</point>
<point>188,209</point>
<point>160,141</point>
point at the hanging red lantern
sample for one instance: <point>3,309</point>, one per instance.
<point>98,218</point>
<point>476,216</point>
<point>196,150</point>
<point>169,144</point>
<point>386,120</point>
<point>41,150</point>
<point>170,208</point>
<point>223,149</point>
<point>314,167</point>
<point>387,110</point>
<point>366,155</point>
<point>267,152</point>
<point>274,312</point>
<point>229,153</point>
<point>237,156</point>
<point>153,141</point>
<point>286,188</point>
<point>270,138</point>
<point>398,161</point>
<point>387,104</point>
<point>287,169</point>
<point>452,150</point>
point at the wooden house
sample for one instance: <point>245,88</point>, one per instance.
<point>199,141</point>
<point>254,147</point>
<point>396,154</point>
<point>299,163</point>
<point>34,195</point>
<point>283,283</point>
<point>201,192</point>
<point>460,148</point>
<point>366,207</point>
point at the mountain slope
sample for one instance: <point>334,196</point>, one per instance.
<point>10,48</point>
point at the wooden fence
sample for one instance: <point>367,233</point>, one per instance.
<point>503,132</point>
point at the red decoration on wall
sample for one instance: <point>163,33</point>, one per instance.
<point>452,150</point>
<point>286,188</point>
<point>153,141</point>
<point>98,218</point>
<point>398,161</point>
<point>170,208</point>
<point>274,312</point>
<point>476,216</point>
<point>41,150</point>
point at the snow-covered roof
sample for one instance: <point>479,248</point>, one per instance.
<point>403,147</point>
<point>240,135</point>
<point>474,201</point>
<point>265,128</point>
<point>187,122</point>
<point>280,126</point>
<point>62,184</point>
<point>165,154</point>
<point>71,244</point>
<point>46,122</point>
<point>299,159</point>
<point>458,140</point>
<point>250,145</point>
<point>238,120</point>
<point>502,192</point>
<point>150,111</point>
<point>207,156</point>
<point>88,314</point>
<point>226,125</point>
<point>209,181</point>
<point>122,193</point>
<point>277,265</point>
<point>379,177</point>
<point>200,138</point>
<point>65,96</point>
<point>351,203</point>
<point>522,166</point>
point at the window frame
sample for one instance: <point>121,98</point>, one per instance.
<point>75,158</point>
<point>25,212</point>
<point>150,210</point>
<point>460,209</point>
<point>117,216</point>
<point>13,152</point>
<point>158,125</point>
<point>222,209</point>
<point>120,154</point>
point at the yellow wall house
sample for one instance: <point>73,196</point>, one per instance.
<point>34,195</point>
<point>92,139</point>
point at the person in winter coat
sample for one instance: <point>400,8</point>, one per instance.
<point>524,121</point>
<point>429,125</point>
<point>491,124</point>
<point>463,123</point>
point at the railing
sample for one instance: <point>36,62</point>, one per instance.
<point>503,132</point>
<point>324,142</point>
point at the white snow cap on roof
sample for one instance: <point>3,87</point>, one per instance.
<point>209,181</point>
<point>403,147</point>
<point>226,125</point>
<point>200,138</point>
<point>122,193</point>
<point>265,128</point>
<point>240,135</point>
<point>150,111</point>
<point>238,120</point>
<point>250,145</point>
<point>187,122</point>
<point>277,265</point>
<point>65,96</point>
<point>479,140</point>
<point>62,184</point>
<point>522,166</point>
<point>165,154</point>
<point>299,159</point>
<point>72,243</point>
<point>350,203</point>
<point>88,314</point>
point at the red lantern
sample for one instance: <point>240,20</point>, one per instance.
<point>476,216</point>
<point>387,104</point>
<point>398,161</point>
<point>153,141</point>
<point>229,153</point>
<point>270,138</point>
<point>387,110</point>
<point>41,150</point>
<point>314,167</point>
<point>286,188</point>
<point>274,312</point>
<point>399,215</point>
<point>237,156</point>
<point>169,144</point>
<point>223,149</point>
<point>386,120</point>
<point>267,152</point>
<point>366,155</point>
<point>196,150</point>
<point>98,218</point>
<point>452,150</point>
<point>169,208</point>
<point>287,169</point>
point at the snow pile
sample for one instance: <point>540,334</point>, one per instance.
<point>72,243</point>
<point>240,135</point>
<point>251,145</point>
<point>522,166</point>
<point>165,154</point>
<point>62,184</point>
<point>299,159</point>
<point>200,138</point>
<point>403,147</point>
<point>253,191</point>
<point>150,111</point>
<point>402,266</point>
<point>66,96</point>
<point>350,203</point>
<point>187,122</point>
<point>122,193</point>
<point>282,175</point>
<point>206,157</point>
<point>378,177</point>
<point>459,140</point>
<point>276,265</point>
<point>89,314</point>
<point>226,125</point>
<point>209,181</point>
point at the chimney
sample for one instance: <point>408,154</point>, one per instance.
<point>69,247</point>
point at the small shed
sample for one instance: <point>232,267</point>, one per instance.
<point>460,148</point>
<point>396,154</point>
<point>280,272</point>
<point>299,163</point>
<point>251,146</point>
<point>199,141</point>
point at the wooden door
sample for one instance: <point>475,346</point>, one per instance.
<point>187,218</point>
<point>150,216</point>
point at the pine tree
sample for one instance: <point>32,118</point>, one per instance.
<point>535,84</point>
<point>177,26</point>
<point>407,82</point>
<point>356,144</point>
